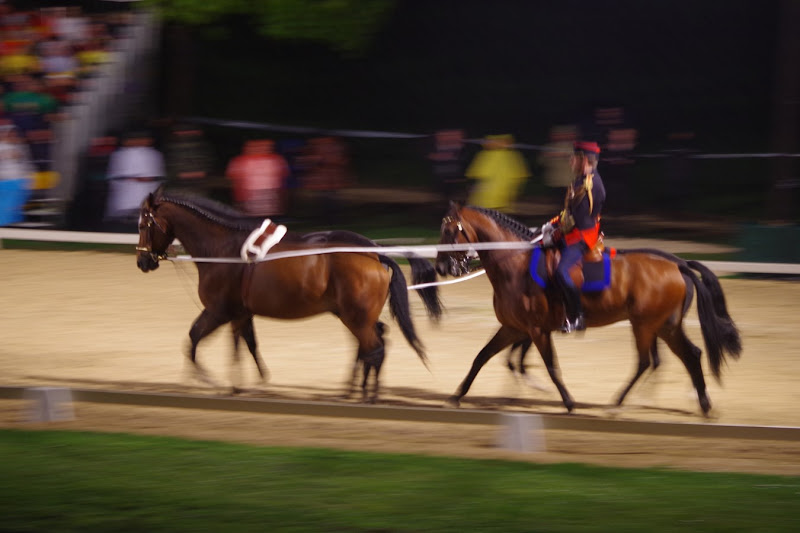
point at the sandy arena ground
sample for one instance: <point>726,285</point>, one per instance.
<point>93,320</point>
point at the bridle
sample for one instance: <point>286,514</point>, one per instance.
<point>449,220</point>
<point>150,221</point>
<point>463,259</point>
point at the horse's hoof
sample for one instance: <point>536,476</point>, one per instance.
<point>570,406</point>
<point>535,384</point>
<point>236,390</point>
<point>705,405</point>
<point>453,401</point>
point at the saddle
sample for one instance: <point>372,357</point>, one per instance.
<point>591,273</point>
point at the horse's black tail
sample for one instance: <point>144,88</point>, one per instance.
<point>719,332</point>
<point>400,308</point>
<point>423,272</point>
<point>711,282</point>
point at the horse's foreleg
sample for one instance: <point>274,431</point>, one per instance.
<point>544,343</point>
<point>203,325</point>
<point>504,337</point>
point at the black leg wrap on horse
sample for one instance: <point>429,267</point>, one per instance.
<point>374,358</point>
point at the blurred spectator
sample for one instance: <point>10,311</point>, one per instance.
<point>293,150</point>
<point>15,155</point>
<point>21,60</point>
<point>58,58</point>
<point>448,159</point>
<point>500,171</point>
<point>189,155</point>
<point>259,177</point>
<point>90,202</point>
<point>135,169</point>
<point>28,105</point>
<point>41,146</point>
<point>328,172</point>
<point>678,169</point>
<point>555,160</point>
<point>91,55</point>
<point>69,24</point>
<point>16,174</point>
<point>618,140</point>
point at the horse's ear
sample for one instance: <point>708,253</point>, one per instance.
<point>158,193</point>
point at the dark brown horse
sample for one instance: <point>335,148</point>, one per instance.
<point>650,288</point>
<point>353,286</point>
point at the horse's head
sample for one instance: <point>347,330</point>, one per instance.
<point>455,230</point>
<point>155,235</point>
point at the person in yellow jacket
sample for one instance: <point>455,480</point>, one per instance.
<point>500,172</point>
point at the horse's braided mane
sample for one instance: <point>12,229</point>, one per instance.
<point>213,211</point>
<point>515,226</point>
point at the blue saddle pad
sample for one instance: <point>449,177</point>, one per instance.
<point>596,276</point>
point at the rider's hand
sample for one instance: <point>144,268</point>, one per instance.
<point>548,234</point>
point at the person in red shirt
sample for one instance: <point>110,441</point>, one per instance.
<point>259,177</point>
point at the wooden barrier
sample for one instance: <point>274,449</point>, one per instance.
<point>424,414</point>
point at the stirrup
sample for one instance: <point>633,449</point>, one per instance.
<point>579,324</point>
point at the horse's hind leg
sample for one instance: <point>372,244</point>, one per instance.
<point>654,357</point>
<point>689,354</point>
<point>520,370</point>
<point>243,328</point>
<point>204,325</point>
<point>369,359</point>
<point>645,347</point>
<point>504,337</point>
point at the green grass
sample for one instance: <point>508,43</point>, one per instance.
<point>70,481</point>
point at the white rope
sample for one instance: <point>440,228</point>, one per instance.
<point>385,250</point>
<point>448,282</point>
<point>429,250</point>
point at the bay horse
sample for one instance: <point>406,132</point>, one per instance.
<point>352,286</point>
<point>650,288</point>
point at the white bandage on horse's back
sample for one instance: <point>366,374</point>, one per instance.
<point>251,251</point>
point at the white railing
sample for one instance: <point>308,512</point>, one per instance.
<point>422,250</point>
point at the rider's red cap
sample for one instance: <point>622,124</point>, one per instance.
<point>587,146</point>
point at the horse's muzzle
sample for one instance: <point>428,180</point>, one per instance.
<point>450,266</point>
<point>146,262</point>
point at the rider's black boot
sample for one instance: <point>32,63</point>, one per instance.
<point>575,320</point>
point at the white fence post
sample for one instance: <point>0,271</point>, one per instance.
<point>521,433</point>
<point>49,404</point>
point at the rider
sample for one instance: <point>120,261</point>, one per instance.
<point>578,226</point>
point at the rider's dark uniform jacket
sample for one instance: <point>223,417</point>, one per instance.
<point>583,204</point>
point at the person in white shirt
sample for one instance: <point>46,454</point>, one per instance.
<point>135,169</point>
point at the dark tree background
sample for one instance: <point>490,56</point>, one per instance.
<point>727,70</point>
<point>509,66</point>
